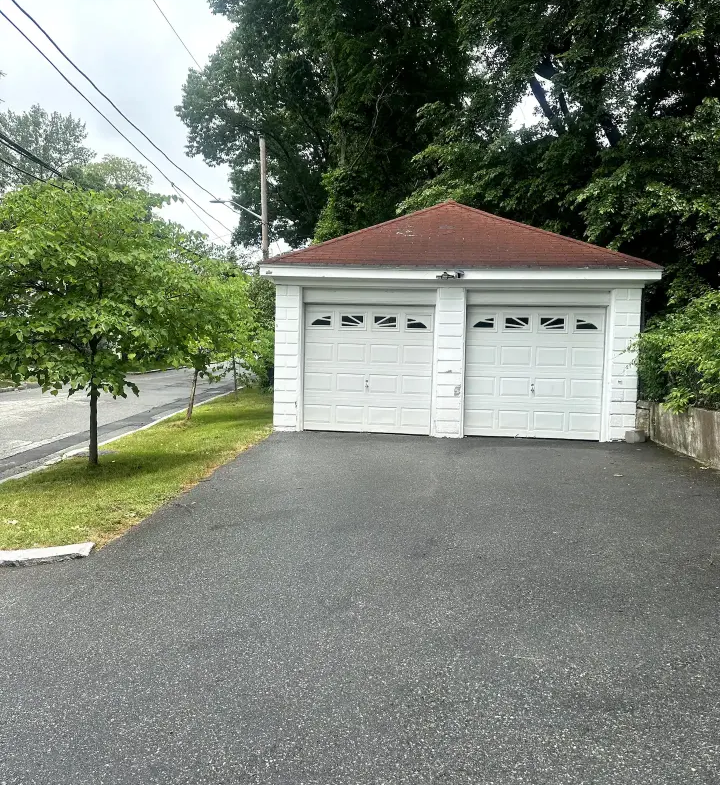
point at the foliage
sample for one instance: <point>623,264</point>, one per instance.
<point>679,356</point>
<point>258,354</point>
<point>336,88</point>
<point>56,139</point>
<point>94,284</point>
<point>67,503</point>
<point>263,81</point>
<point>111,171</point>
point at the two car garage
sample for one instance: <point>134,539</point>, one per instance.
<point>528,372</point>
<point>454,322</point>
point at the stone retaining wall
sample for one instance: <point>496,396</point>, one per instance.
<point>695,433</point>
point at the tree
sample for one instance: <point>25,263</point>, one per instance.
<point>263,81</point>
<point>56,139</point>
<point>91,283</point>
<point>111,171</point>
<point>336,87</point>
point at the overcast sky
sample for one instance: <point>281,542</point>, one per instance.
<point>127,48</point>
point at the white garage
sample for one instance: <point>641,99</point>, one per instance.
<point>454,322</point>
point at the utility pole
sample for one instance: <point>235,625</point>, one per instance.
<point>264,200</point>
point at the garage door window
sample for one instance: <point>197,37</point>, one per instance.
<point>355,321</point>
<point>517,322</point>
<point>586,324</point>
<point>555,324</point>
<point>382,322</point>
<point>417,323</point>
<point>322,321</point>
<point>486,323</point>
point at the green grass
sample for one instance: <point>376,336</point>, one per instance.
<point>73,502</point>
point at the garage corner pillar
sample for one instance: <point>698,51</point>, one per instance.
<point>449,362</point>
<point>288,351</point>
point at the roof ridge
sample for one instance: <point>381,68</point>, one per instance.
<point>532,228</point>
<point>369,228</point>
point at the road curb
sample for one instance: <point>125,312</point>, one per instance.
<point>30,386</point>
<point>30,556</point>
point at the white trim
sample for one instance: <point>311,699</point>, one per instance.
<point>607,370</point>
<point>568,298</point>
<point>523,275</point>
<point>350,295</point>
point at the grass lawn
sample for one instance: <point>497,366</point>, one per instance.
<point>72,502</point>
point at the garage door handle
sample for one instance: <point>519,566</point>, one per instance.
<point>532,389</point>
<point>367,384</point>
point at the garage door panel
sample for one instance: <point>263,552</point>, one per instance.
<point>515,355</point>
<point>350,382</point>
<point>541,378</point>
<point>551,388</point>
<point>551,357</point>
<point>585,357</point>
<point>385,353</point>
<point>322,352</point>
<point>318,381</point>
<point>351,352</point>
<point>380,374</point>
<point>514,419</point>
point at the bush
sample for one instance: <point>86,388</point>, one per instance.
<point>679,356</point>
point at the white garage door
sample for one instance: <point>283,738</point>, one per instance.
<point>534,372</point>
<point>368,369</point>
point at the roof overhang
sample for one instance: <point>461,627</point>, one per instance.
<point>432,276</point>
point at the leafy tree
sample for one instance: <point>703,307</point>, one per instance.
<point>55,138</point>
<point>263,81</point>
<point>335,86</point>
<point>111,171</point>
<point>91,284</point>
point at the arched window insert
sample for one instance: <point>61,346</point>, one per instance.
<point>584,324</point>
<point>556,323</point>
<point>322,321</point>
<point>517,322</point>
<point>488,323</point>
<point>416,324</point>
<point>385,322</point>
<point>353,320</point>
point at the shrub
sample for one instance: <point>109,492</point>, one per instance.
<point>679,356</point>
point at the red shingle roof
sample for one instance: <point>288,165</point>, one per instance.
<point>454,235</point>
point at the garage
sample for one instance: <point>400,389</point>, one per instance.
<point>368,369</point>
<point>454,322</point>
<point>534,373</point>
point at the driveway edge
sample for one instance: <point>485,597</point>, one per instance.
<point>30,556</point>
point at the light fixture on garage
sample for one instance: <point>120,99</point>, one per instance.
<point>446,276</point>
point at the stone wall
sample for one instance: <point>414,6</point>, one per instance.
<point>695,433</point>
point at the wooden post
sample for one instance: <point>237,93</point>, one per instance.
<point>264,200</point>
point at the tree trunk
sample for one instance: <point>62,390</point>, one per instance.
<point>235,377</point>
<point>93,452</point>
<point>193,390</point>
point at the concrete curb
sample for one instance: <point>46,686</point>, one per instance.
<point>29,556</point>
<point>30,386</point>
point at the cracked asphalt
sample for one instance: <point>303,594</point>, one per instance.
<point>354,609</point>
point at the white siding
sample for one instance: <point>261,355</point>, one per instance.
<point>625,310</point>
<point>449,362</point>
<point>288,350</point>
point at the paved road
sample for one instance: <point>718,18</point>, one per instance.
<point>36,427</point>
<point>372,610</point>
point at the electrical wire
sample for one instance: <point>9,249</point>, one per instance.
<point>18,148</point>
<point>177,35</point>
<point>111,102</point>
<point>215,235</point>
<point>28,174</point>
<point>110,122</point>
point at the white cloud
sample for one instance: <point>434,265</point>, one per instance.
<point>127,48</point>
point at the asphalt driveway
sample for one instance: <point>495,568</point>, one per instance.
<point>337,610</point>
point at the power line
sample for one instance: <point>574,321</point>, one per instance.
<point>106,118</point>
<point>216,236</point>
<point>28,174</point>
<point>177,35</point>
<point>18,148</point>
<point>109,100</point>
